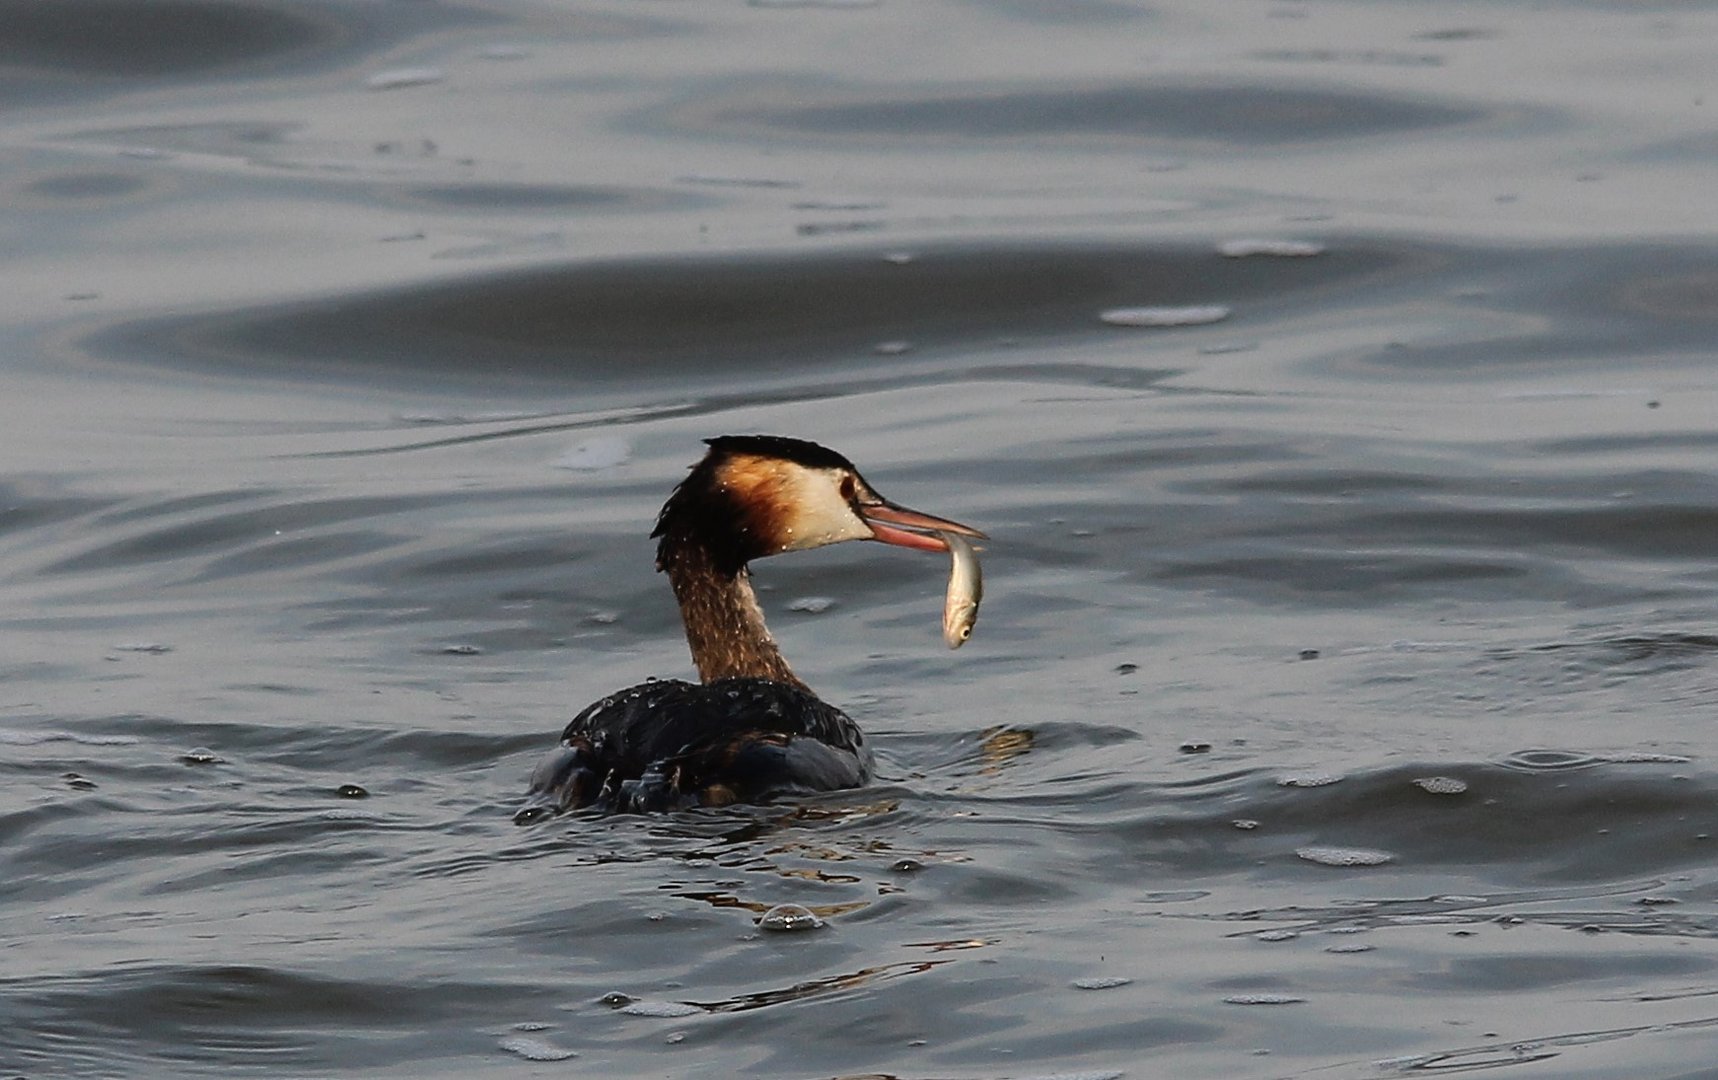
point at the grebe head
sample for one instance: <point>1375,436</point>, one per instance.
<point>758,495</point>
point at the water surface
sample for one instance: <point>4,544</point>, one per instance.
<point>1341,701</point>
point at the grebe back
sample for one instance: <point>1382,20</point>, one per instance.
<point>750,728</point>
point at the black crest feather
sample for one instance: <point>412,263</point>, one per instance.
<point>700,513</point>
<point>800,451</point>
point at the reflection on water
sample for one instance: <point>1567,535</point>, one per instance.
<point>1342,703</point>
<point>114,38</point>
<point>706,322</point>
<point>1242,114</point>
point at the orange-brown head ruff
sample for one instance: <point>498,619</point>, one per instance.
<point>758,495</point>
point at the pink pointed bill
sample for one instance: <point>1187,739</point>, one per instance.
<point>908,528</point>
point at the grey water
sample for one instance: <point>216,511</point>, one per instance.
<point>1335,380</point>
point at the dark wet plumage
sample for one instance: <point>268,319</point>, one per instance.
<point>751,729</point>
<point>668,744</point>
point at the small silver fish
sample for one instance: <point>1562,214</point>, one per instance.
<point>965,590</point>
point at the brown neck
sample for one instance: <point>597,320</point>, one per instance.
<point>724,625</point>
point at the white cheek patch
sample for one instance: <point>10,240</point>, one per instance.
<point>816,514</point>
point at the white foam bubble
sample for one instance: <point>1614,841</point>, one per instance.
<point>1196,315</point>
<point>1341,856</point>
<point>535,1049</point>
<point>789,917</point>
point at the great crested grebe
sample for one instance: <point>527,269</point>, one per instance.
<point>751,728</point>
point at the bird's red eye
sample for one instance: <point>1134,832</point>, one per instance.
<point>849,490</point>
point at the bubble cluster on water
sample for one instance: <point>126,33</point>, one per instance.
<point>1441,785</point>
<point>1342,856</point>
<point>535,1049</point>
<point>200,755</point>
<point>1262,999</point>
<point>1309,780</point>
<point>1100,982</point>
<point>812,605</point>
<point>1276,935</point>
<point>662,1010</point>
